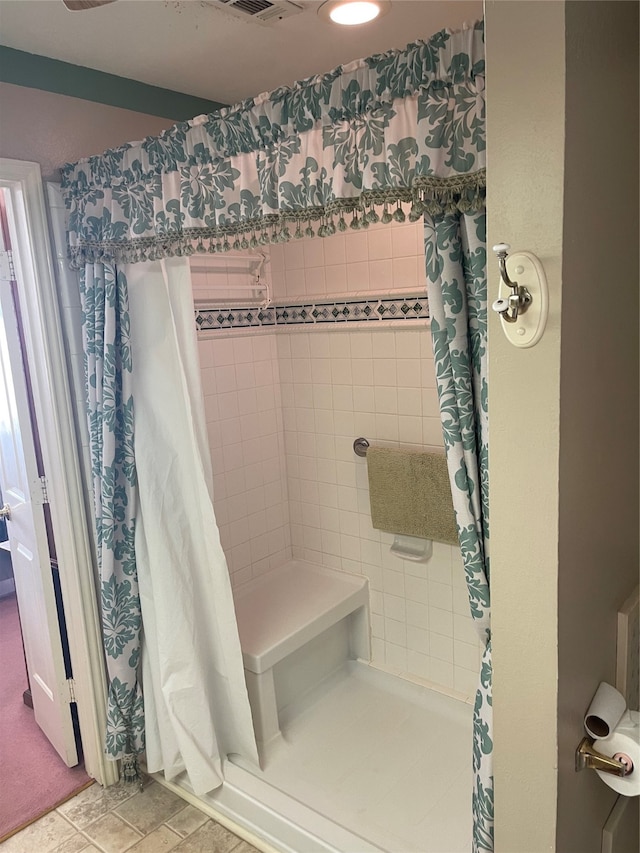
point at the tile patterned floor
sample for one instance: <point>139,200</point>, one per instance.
<point>122,818</point>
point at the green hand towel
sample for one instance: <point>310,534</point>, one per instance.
<point>410,493</point>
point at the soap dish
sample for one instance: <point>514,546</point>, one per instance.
<point>411,548</point>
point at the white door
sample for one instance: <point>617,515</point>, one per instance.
<point>22,492</point>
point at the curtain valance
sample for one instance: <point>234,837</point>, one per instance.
<point>403,126</point>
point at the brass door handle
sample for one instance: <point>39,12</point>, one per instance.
<point>5,513</point>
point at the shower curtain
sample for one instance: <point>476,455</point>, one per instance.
<point>160,559</point>
<point>106,342</point>
<point>343,149</point>
<point>456,265</point>
<point>195,699</point>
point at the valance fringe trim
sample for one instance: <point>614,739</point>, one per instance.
<point>433,196</point>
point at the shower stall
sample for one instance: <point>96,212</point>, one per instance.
<point>362,741</point>
<point>374,750</point>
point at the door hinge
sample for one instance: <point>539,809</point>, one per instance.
<point>45,491</point>
<point>7,268</point>
<point>72,690</point>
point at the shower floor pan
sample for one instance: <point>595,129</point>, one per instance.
<point>382,764</point>
<point>367,763</point>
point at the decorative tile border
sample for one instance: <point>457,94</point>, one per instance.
<point>370,309</point>
<point>208,319</point>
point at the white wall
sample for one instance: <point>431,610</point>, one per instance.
<point>52,129</point>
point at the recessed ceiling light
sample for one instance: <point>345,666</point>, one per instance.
<point>350,13</point>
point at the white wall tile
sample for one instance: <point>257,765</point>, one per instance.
<point>242,421</point>
<point>358,277</point>
<point>418,639</point>
<point>362,371</point>
<point>441,621</point>
<point>295,282</point>
<point>410,430</point>
<point>395,607</point>
<point>387,427</point>
<point>356,246</point>
<point>432,432</point>
<point>460,600</point>
<point>404,274</point>
<point>385,372</point>
<point>384,344</point>
<point>419,664</point>
<point>395,656</point>
<point>309,393</point>
<point>464,629</point>
<point>381,275</point>
<point>440,595</point>
<point>408,372</point>
<point>243,351</point>
<point>386,400</point>
<point>336,278</point>
<point>313,252</point>
<point>320,372</point>
<point>293,255</point>
<point>441,672</point>
<point>379,242</point>
<point>410,402</point>
<point>341,371</point>
<point>417,614</point>
<point>408,343</point>
<point>440,646</point>
<point>315,281</point>
<point>395,632</point>
<point>403,241</point>
<point>466,655</point>
<point>417,589</point>
<point>465,681</point>
<point>335,250</point>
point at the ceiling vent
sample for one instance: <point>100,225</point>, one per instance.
<point>264,11</point>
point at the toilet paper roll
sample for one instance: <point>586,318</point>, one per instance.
<point>605,711</point>
<point>625,742</point>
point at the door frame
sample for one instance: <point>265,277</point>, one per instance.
<point>45,357</point>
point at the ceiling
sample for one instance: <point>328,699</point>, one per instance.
<point>195,47</point>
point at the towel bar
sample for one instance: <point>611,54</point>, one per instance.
<point>360,446</point>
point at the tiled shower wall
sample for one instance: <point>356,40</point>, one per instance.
<point>337,386</point>
<point>241,387</point>
<point>313,392</point>
<point>382,258</point>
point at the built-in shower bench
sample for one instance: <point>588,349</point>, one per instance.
<point>297,624</point>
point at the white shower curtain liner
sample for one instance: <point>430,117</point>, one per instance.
<point>195,699</point>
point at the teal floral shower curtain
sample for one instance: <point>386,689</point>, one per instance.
<point>456,264</point>
<point>107,347</point>
<point>343,149</point>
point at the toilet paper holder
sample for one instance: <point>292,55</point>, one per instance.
<point>605,712</point>
<point>587,756</point>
